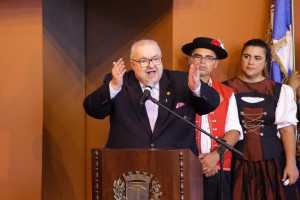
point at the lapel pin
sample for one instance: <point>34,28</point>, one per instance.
<point>168,93</point>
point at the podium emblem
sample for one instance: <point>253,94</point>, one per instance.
<point>137,186</point>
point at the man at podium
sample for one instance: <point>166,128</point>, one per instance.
<point>136,122</point>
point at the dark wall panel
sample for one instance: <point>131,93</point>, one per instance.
<point>64,118</point>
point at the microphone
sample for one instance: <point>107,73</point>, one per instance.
<point>147,93</point>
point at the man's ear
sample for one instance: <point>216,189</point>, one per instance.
<point>216,64</point>
<point>131,63</point>
<point>188,59</point>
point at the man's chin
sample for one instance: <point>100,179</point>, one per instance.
<point>203,75</point>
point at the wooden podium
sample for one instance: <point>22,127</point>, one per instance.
<point>146,174</point>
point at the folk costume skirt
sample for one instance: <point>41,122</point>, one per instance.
<point>261,180</point>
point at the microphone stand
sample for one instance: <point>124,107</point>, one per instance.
<point>220,140</point>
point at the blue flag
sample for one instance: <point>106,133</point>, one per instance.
<point>282,47</point>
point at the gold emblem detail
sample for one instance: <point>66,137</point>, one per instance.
<point>137,186</point>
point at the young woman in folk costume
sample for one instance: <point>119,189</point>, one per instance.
<point>267,113</point>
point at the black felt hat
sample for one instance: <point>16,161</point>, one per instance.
<point>202,42</point>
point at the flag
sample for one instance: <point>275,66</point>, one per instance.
<point>282,41</point>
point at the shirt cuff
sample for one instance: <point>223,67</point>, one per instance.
<point>113,92</point>
<point>197,91</point>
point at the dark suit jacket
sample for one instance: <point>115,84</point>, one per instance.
<point>129,124</point>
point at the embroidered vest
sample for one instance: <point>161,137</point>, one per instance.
<point>217,120</point>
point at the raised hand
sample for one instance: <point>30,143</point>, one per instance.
<point>118,71</point>
<point>194,77</point>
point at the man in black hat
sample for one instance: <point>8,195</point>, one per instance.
<point>223,122</point>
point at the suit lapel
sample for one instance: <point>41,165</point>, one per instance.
<point>165,98</point>
<point>135,93</point>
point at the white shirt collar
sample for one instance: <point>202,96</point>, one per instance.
<point>209,81</point>
<point>155,86</point>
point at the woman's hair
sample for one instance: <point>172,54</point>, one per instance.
<point>258,43</point>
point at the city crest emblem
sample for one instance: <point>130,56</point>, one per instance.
<point>137,186</point>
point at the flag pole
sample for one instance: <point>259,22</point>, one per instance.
<point>293,35</point>
<point>294,57</point>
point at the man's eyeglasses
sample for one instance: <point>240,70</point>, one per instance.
<point>198,57</point>
<point>145,62</point>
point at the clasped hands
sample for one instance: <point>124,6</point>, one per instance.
<point>209,163</point>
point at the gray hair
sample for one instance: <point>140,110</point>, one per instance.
<point>142,42</point>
